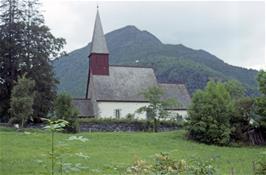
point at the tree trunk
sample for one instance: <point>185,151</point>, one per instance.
<point>155,128</point>
<point>22,123</point>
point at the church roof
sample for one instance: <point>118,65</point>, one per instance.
<point>98,44</point>
<point>123,84</point>
<point>178,92</point>
<point>84,106</point>
<point>126,83</point>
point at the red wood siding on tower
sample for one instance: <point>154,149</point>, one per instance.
<point>99,64</point>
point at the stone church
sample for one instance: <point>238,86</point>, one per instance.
<point>115,91</point>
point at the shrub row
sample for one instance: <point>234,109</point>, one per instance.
<point>108,124</point>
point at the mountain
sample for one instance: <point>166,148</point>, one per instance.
<point>171,63</point>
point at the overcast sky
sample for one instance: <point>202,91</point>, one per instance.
<point>233,31</point>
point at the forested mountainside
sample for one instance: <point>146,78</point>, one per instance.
<point>172,63</point>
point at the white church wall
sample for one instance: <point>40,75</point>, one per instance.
<point>173,113</point>
<point>107,109</point>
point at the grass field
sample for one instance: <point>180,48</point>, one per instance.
<point>109,153</point>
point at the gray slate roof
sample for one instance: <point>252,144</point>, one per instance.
<point>123,83</point>
<point>84,106</point>
<point>98,44</point>
<point>178,92</point>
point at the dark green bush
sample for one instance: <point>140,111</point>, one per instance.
<point>130,116</point>
<point>210,114</point>
<point>73,126</point>
<point>65,110</point>
<point>146,125</point>
<point>240,121</point>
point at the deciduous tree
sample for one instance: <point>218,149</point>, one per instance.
<point>157,106</point>
<point>241,119</point>
<point>235,89</point>
<point>22,100</point>
<point>210,114</point>
<point>64,109</point>
<point>261,101</point>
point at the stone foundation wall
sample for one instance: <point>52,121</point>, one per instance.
<point>111,125</point>
<point>122,127</point>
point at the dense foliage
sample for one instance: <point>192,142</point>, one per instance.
<point>242,113</point>
<point>64,109</point>
<point>210,114</point>
<point>261,102</point>
<point>172,63</point>
<point>240,119</point>
<point>22,100</point>
<point>261,78</point>
<point>235,89</point>
<point>27,46</point>
<point>139,125</point>
<point>222,114</point>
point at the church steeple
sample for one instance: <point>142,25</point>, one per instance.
<point>99,54</point>
<point>98,44</point>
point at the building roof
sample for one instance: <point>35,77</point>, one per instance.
<point>98,44</point>
<point>123,84</point>
<point>84,106</point>
<point>178,92</point>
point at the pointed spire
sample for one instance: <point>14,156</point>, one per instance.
<point>98,44</point>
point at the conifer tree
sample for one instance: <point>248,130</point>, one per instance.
<point>28,48</point>
<point>11,35</point>
<point>42,47</point>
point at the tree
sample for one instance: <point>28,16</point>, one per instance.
<point>261,78</point>
<point>11,29</point>
<point>156,108</point>
<point>243,111</point>
<point>240,121</point>
<point>235,89</point>
<point>41,46</point>
<point>210,114</point>
<point>27,46</point>
<point>22,100</point>
<point>64,109</point>
<point>260,103</point>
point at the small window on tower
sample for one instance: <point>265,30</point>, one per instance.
<point>117,113</point>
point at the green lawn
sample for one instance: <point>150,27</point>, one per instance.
<point>110,152</point>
